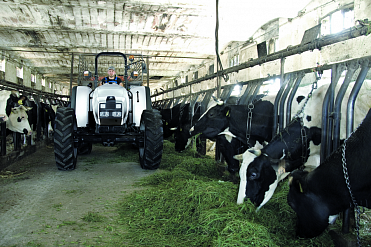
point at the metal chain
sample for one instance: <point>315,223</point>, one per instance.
<point>304,139</point>
<point>347,181</point>
<point>249,117</point>
<point>248,122</point>
<point>314,86</point>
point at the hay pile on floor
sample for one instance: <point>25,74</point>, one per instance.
<point>186,204</point>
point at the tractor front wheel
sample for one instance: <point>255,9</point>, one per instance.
<point>64,149</point>
<point>150,153</point>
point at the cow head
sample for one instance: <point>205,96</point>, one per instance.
<point>182,136</point>
<point>18,120</point>
<point>212,122</point>
<point>312,213</point>
<point>260,175</point>
<point>289,145</point>
<point>170,119</point>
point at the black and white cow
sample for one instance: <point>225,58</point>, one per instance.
<point>294,149</point>
<point>228,123</point>
<point>14,114</point>
<point>323,192</point>
<point>182,134</point>
<point>170,119</point>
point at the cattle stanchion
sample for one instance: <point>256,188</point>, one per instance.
<point>365,67</point>
<point>351,68</point>
<point>277,104</point>
<point>3,138</point>
<point>17,141</point>
<point>327,112</point>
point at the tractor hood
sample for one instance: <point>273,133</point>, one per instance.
<point>110,104</point>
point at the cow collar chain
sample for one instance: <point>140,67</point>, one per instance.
<point>347,181</point>
<point>300,115</point>
<point>303,134</point>
<point>249,119</point>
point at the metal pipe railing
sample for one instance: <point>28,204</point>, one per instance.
<point>298,49</point>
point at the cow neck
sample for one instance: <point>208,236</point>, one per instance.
<point>237,122</point>
<point>275,156</point>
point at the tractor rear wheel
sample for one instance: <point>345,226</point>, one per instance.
<point>64,149</point>
<point>150,153</point>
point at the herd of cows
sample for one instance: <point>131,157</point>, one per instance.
<point>247,141</point>
<point>28,116</point>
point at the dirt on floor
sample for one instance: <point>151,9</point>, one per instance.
<point>42,206</point>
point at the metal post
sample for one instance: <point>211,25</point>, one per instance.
<point>282,71</point>
<point>351,68</point>
<point>3,138</point>
<point>365,66</point>
<point>147,64</point>
<point>281,114</point>
<point>291,96</point>
<point>71,75</point>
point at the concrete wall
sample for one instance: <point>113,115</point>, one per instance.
<point>11,65</point>
<point>26,77</point>
<point>10,72</point>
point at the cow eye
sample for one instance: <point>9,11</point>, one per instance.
<point>253,176</point>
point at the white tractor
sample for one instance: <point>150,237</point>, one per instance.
<point>109,114</point>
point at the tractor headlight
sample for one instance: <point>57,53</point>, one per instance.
<point>104,114</point>
<point>118,106</point>
<point>116,114</point>
<point>102,105</point>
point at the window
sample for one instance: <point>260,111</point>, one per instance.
<point>43,82</point>
<point>211,69</point>
<point>337,21</point>
<point>236,90</point>
<point>233,61</point>
<point>272,46</point>
<point>20,72</point>
<point>2,65</point>
<point>33,80</point>
<point>195,75</point>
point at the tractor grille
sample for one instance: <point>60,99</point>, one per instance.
<point>111,129</point>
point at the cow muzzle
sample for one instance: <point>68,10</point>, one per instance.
<point>26,132</point>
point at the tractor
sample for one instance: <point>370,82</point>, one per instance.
<point>109,114</point>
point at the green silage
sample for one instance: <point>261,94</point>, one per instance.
<point>187,203</point>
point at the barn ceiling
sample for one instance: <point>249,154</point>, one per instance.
<point>175,34</point>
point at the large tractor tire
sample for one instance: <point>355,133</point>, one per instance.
<point>150,153</point>
<point>64,149</point>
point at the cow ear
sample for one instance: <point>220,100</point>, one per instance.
<point>14,110</point>
<point>238,157</point>
<point>227,111</point>
<point>297,181</point>
<point>257,152</point>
